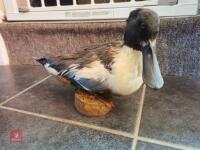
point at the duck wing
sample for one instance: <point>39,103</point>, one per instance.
<point>90,68</point>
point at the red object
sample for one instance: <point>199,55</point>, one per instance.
<point>16,136</point>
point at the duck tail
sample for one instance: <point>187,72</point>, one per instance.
<point>49,66</point>
<point>42,61</point>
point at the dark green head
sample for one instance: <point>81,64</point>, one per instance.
<point>140,34</point>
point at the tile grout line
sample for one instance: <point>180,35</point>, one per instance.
<point>167,144</point>
<point>71,122</point>
<point>138,119</point>
<point>23,91</point>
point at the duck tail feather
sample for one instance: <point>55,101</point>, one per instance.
<point>42,60</point>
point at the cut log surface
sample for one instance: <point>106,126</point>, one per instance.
<point>91,105</point>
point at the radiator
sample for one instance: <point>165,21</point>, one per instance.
<point>92,10</point>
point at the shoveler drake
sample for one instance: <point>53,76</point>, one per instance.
<point>119,67</point>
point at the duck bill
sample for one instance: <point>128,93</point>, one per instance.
<point>151,71</point>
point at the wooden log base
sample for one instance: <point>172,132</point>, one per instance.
<point>91,105</point>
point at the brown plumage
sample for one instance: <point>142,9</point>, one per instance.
<point>102,52</point>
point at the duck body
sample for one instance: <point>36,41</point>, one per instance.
<point>112,67</point>
<point>126,75</point>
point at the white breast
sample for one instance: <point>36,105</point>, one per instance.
<point>126,75</point>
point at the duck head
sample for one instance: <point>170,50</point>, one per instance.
<point>140,34</point>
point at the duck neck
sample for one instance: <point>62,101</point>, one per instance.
<point>131,41</point>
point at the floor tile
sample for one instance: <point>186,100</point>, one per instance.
<point>53,98</point>
<point>42,134</point>
<point>172,113</point>
<point>13,79</point>
<point>148,146</point>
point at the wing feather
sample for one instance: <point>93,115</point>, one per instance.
<point>89,68</point>
<point>88,78</point>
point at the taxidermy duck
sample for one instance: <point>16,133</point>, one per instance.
<point>117,67</point>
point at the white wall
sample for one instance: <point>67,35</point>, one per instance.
<point>1,10</point>
<point>4,60</point>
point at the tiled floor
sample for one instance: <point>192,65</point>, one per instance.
<point>42,109</point>
<point>57,100</point>
<point>173,113</point>
<point>16,78</point>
